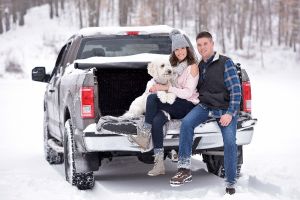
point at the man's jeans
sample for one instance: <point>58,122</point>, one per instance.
<point>198,115</point>
<point>156,117</point>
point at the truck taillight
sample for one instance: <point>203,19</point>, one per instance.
<point>87,102</point>
<point>246,88</point>
<point>132,33</point>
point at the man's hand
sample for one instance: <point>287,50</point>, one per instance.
<point>225,119</point>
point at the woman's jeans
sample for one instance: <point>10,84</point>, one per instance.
<point>197,116</point>
<point>157,118</point>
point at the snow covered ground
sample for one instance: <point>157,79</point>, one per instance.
<point>271,164</point>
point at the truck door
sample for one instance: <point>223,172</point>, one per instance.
<point>54,94</point>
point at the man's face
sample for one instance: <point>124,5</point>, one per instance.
<point>205,47</point>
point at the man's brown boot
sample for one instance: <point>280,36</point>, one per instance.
<point>182,176</point>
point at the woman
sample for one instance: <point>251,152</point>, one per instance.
<point>157,113</point>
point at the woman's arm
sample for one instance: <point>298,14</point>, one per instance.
<point>188,89</point>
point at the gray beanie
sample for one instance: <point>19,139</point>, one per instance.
<point>178,40</point>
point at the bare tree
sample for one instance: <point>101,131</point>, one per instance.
<point>62,4</point>
<point>1,25</point>
<point>79,5</point>
<point>295,24</point>
<point>56,7</point>
<point>173,12</point>
<point>221,20</point>
<point>269,13</point>
<point>14,10</point>
<point>51,8</point>
<point>93,12</point>
<point>124,6</point>
<point>251,18</point>
<point>162,5</point>
<point>7,21</point>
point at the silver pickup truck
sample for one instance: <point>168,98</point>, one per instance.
<point>98,73</point>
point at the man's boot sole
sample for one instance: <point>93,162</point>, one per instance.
<point>177,184</point>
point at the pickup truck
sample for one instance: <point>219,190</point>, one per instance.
<point>98,73</point>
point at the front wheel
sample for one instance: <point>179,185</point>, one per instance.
<point>52,156</point>
<point>83,180</point>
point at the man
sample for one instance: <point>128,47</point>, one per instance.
<point>220,95</point>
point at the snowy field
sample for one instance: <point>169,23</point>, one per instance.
<point>271,164</point>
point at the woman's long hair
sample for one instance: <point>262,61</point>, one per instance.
<point>190,57</point>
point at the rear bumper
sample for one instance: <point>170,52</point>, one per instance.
<point>206,136</point>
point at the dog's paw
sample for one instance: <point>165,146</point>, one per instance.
<point>162,96</point>
<point>170,98</point>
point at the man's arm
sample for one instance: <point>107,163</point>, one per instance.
<point>232,83</point>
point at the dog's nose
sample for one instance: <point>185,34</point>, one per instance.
<point>169,71</point>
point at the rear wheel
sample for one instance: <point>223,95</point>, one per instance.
<point>146,158</point>
<point>215,163</point>
<point>83,180</point>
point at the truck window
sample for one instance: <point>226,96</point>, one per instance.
<point>124,46</point>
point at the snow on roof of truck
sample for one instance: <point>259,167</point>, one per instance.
<point>143,57</point>
<point>118,30</point>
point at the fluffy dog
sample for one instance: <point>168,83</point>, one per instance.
<point>162,73</point>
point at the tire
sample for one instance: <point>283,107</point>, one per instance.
<point>83,180</point>
<point>215,163</point>
<point>51,155</point>
<point>146,158</point>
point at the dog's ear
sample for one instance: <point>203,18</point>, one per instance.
<point>151,69</point>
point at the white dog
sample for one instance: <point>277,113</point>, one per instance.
<point>162,73</point>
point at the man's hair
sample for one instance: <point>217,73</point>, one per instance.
<point>204,34</point>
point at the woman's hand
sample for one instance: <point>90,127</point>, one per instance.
<point>159,87</point>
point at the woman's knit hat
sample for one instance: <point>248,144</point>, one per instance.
<point>178,40</point>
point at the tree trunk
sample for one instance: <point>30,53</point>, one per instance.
<point>56,8</point>
<point>112,9</point>
<point>196,11</point>
<point>295,24</point>
<point>230,16</point>
<point>163,12</point>
<point>244,8</point>
<point>123,12</point>
<point>23,9</point>
<point>280,22</point>
<point>98,14</point>
<point>270,23</point>
<point>62,4</point>
<point>79,5</point>
<point>222,27</point>
<point>7,21</point>
<point>251,19</point>
<point>14,10</point>
<point>257,20</point>
<point>51,8</point>
<point>173,13</point>
<point>1,25</point>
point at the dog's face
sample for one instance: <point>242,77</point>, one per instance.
<point>161,70</point>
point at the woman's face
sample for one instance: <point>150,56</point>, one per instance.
<point>181,53</point>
